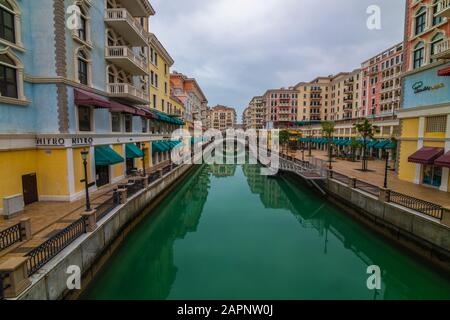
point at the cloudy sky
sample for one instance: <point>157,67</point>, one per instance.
<point>237,49</point>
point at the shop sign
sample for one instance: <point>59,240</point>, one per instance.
<point>85,141</point>
<point>52,142</point>
<point>420,87</point>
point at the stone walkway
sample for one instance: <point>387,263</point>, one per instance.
<point>376,177</point>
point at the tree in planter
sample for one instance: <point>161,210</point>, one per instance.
<point>284,138</point>
<point>366,130</point>
<point>328,132</point>
<point>354,145</point>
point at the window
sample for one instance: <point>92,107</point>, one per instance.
<point>432,176</point>
<point>437,39</point>
<point>144,125</point>
<point>84,119</point>
<point>436,19</point>
<point>115,122</point>
<point>7,18</point>
<point>436,124</point>
<point>128,123</point>
<point>82,68</point>
<point>420,20</point>
<point>82,29</point>
<point>8,77</point>
<point>418,55</point>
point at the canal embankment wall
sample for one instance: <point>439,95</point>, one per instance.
<point>91,251</point>
<point>419,234</point>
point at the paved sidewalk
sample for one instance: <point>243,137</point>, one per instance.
<point>47,218</point>
<point>376,177</point>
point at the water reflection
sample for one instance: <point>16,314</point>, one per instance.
<point>196,229</point>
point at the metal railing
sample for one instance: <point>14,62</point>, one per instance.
<point>422,206</point>
<point>2,287</point>
<point>42,254</point>
<point>107,206</point>
<point>166,170</point>
<point>154,177</point>
<point>340,177</point>
<point>367,187</point>
<point>10,236</point>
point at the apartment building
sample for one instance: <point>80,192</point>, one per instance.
<point>344,96</point>
<point>190,93</point>
<point>314,99</point>
<point>246,118</point>
<point>381,83</point>
<point>69,90</point>
<point>281,107</point>
<point>223,118</point>
<point>425,108</point>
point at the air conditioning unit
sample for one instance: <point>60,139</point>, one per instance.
<point>12,205</point>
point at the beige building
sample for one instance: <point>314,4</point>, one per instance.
<point>255,115</point>
<point>345,95</point>
<point>223,118</point>
<point>314,99</point>
<point>246,118</point>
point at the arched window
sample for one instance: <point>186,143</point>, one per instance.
<point>418,55</point>
<point>420,20</point>
<point>436,19</point>
<point>82,31</point>
<point>7,21</point>
<point>83,67</point>
<point>8,77</point>
<point>435,41</point>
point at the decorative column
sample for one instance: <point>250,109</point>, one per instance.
<point>420,139</point>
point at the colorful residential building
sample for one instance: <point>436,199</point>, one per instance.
<point>381,83</point>
<point>223,118</point>
<point>281,107</point>
<point>67,90</point>
<point>190,93</point>
<point>313,99</point>
<point>425,109</point>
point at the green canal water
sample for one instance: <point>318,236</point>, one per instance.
<point>229,233</point>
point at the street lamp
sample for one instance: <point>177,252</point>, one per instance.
<point>330,156</point>
<point>143,161</point>
<point>386,168</point>
<point>84,155</point>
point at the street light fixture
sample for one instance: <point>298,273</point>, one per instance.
<point>84,156</point>
<point>386,168</point>
<point>143,161</point>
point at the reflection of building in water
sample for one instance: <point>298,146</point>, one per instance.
<point>178,216</point>
<point>222,170</point>
<point>312,213</point>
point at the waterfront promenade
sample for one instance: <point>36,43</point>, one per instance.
<point>375,176</point>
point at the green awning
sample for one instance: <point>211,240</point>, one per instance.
<point>132,151</point>
<point>381,144</point>
<point>105,156</point>
<point>392,145</point>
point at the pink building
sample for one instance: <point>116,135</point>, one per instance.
<point>281,107</point>
<point>381,83</point>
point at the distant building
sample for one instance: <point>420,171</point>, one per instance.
<point>223,117</point>
<point>281,107</point>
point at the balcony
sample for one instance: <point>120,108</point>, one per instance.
<point>124,23</point>
<point>443,50</point>
<point>348,99</point>
<point>443,9</point>
<point>128,92</point>
<point>126,59</point>
<point>348,89</point>
<point>138,8</point>
<point>348,106</point>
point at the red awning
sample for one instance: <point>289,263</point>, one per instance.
<point>443,161</point>
<point>444,72</point>
<point>90,99</point>
<point>147,113</point>
<point>426,155</point>
<point>118,107</point>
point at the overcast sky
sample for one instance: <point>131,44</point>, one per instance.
<point>237,49</point>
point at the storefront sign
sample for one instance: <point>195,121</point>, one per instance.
<point>53,142</point>
<point>420,87</point>
<point>87,141</point>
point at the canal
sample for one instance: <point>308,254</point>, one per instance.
<point>227,232</point>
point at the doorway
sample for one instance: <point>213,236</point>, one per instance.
<point>102,175</point>
<point>29,188</point>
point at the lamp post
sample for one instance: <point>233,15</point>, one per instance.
<point>330,156</point>
<point>84,155</point>
<point>143,161</point>
<point>386,168</point>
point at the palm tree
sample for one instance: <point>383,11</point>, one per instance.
<point>366,130</point>
<point>328,132</point>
